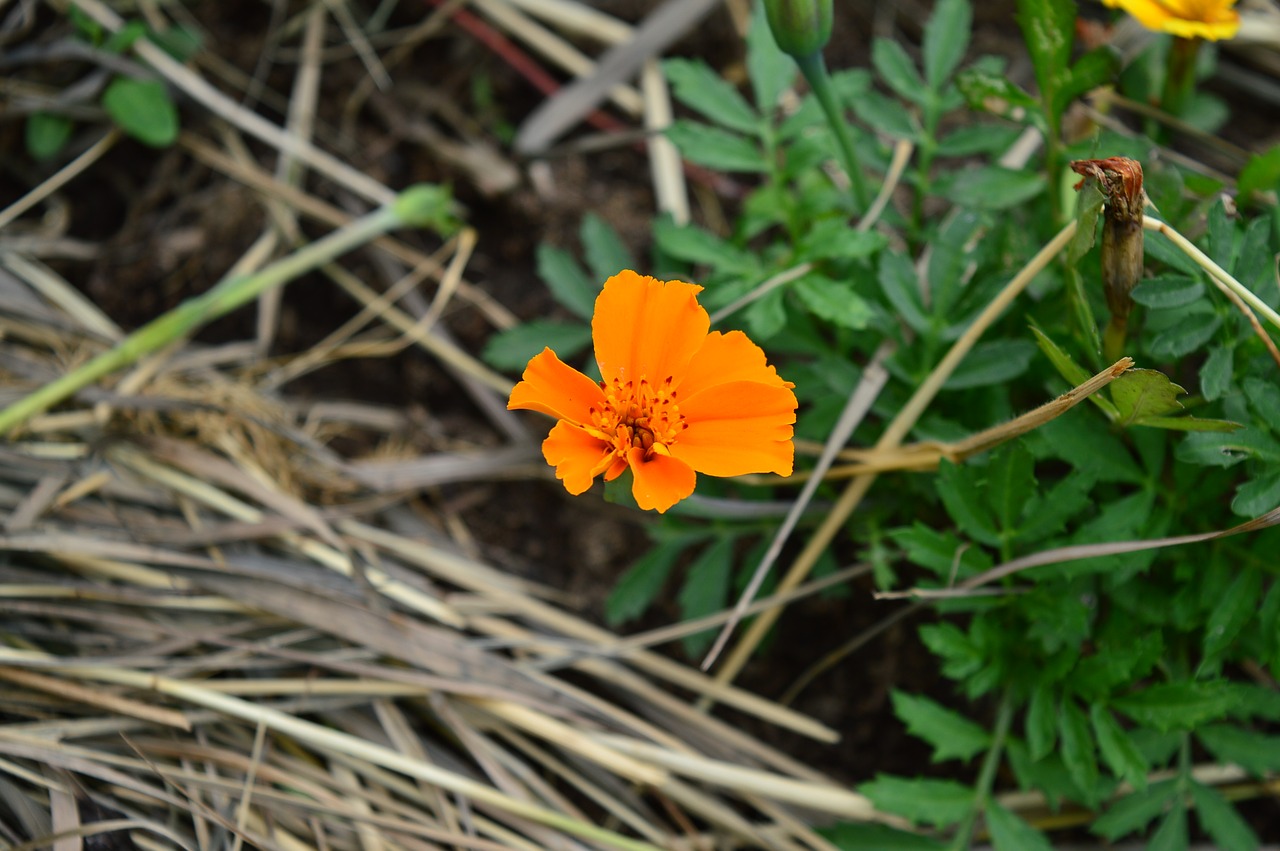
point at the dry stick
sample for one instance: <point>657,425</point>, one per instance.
<point>60,179</point>
<point>893,435</point>
<point>325,737</point>
<point>255,125</point>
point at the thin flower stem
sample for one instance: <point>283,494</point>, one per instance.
<point>1220,276</point>
<point>186,318</point>
<point>814,68</point>
<point>986,776</point>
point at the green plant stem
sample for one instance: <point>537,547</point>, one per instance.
<point>1179,75</point>
<point>814,68</point>
<point>986,775</point>
<point>225,296</point>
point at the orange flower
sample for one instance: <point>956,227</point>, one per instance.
<point>1211,19</point>
<point>675,400</point>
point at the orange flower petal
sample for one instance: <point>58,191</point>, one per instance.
<point>644,327</point>
<point>550,386</point>
<point>724,358</point>
<point>660,482</point>
<point>736,428</point>
<point>576,455</point>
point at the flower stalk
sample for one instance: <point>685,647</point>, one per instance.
<point>1120,180</point>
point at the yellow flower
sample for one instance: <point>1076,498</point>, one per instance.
<point>675,400</point>
<point>1211,19</point>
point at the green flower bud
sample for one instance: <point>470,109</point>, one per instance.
<point>800,27</point>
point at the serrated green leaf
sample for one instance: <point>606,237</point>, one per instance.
<point>640,585</point>
<point>706,588</point>
<point>1089,204</point>
<point>695,245</point>
<point>833,239</point>
<point>45,134</point>
<point>938,802</point>
<point>1186,337</point>
<point>897,70</point>
<point>511,349</point>
<point>569,285</point>
<point>1222,235</point>
<point>992,362</point>
<point>1188,424</point>
<point>1171,835</point>
<point>1158,247</point>
<point>771,71</point>
<point>1215,374</point>
<point>143,110</point>
<point>1261,173</point>
<point>1010,483</point>
<point>1134,812</point>
<point>713,147</point>
<point>1047,28</point>
<point>1168,291</point>
<point>696,85</point>
<point>990,187</point>
<point>941,552</point>
<point>960,657</point>
<point>1257,753</point>
<point>986,91</point>
<point>1062,362</point>
<point>1011,833</point>
<point>951,735</point>
<point>1232,611</point>
<point>977,139</point>
<point>1118,750</point>
<point>833,301</point>
<point>1143,393</point>
<point>1221,821</point>
<point>946,38</point>
<point>1219,449</point>
<point>767,315</point>
<point>1257,496</point>
<point>1042,723</point>
<point>1084,441</point>
<point>1095,68</point>
<point>1077,749</point>
<point>607,254</point>
<point>1048,513</point>
<point>1177,706</point>
<point>1264,399</point>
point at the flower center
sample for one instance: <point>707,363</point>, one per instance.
<point>638,415</point>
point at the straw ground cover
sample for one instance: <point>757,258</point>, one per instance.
<point>280,569</point>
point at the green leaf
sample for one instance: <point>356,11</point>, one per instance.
<point>511,349</point>
<point>1077,749</point>
<point>695,245</point>
<point>961,658</point>
<point>1095,68</point>
<point>1257,753</point>
<point>1158,247</point>
<point>706,587</point>
<point>1168,291</point>
<point>124,38</point>
<point>723,150</point>
<point>1010,484</point>
<point>767,316</point>
<point>1047,27</point>
<point>887,116</point>
<point>45,134</point>
<point>702,89</point>
<point>1220,820</point>
<point>640,585</point>
<point>1261,173</point>
<point>951,735</point>
<point>1141,393</point>
<point>180,42</point>
<point>977,139</point>
<point>833,239</point>
<point>143,110</point>
<point>1264,399</point>
<point>897,70</point>
<point>992,362</point>
<point>1215,374</point>
<point>1257,496</point>
<point>1134,812</point>
<point>943,553</point>
<point>1042,728</point>
<point>1011,833</point>
<point>1211,449</point>
<point>607,255</point>
<point>1084,441</point>
<point>856,836</point>
<point>1177,706</point>
<point>946,38</point>
<point>1188,424</point>
<point>987,91</point>
<point>1232,610</point>
<point>938,802</point>
<point>569,285</point>
<point>833,301</point>
<point>990,187</point>
<point>1089,204</point>
<point>1171,835</point>
<point>898,282</point>
<point>1118,751</point>
<point>965,502</point>
<point>771,71</point>
<point>1062,362</point>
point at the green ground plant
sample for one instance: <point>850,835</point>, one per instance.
<point>1090,670</point>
